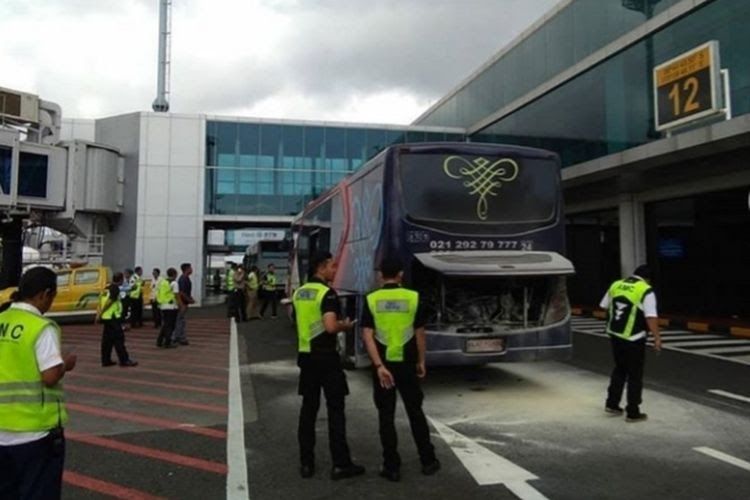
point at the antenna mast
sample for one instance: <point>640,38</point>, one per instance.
<point>161,104</point>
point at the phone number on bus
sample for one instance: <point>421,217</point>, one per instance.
<point>480,245</point>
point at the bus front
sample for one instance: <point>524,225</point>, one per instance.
<point>483,229</point>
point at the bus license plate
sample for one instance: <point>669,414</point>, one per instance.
<point>485,345</point>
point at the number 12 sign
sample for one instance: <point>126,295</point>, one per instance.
<point>688,87</point>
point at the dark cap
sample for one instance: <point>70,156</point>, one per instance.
<point>643,272</point>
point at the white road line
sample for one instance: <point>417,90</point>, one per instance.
<point>737,462</point>
<point>237,487</point>
<point>730,395</point>
<point>729,350</point>
<point>487,467</point>
<point>718,342</point>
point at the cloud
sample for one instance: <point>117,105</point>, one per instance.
<point>357,60</point>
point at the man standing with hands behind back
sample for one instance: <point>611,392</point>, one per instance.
<point>317,310</point>
<point>393,330</point>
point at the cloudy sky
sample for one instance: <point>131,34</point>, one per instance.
<point>382,61</point>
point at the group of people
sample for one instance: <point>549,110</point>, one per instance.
<point>32,406</point>
<point>394,332</point>
<point>249,294</point>
<point>122,301</point>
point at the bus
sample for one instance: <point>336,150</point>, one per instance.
<point>480,230</point>
<point>265,252</point>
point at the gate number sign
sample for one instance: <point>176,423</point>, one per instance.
<point>688,87</point>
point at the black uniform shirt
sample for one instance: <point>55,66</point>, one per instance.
<point>325,343</point>
<point>411,355</point>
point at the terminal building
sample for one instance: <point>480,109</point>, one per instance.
<point>647,102</point>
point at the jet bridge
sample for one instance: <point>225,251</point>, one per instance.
<point>75,187</point>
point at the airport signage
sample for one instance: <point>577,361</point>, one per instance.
<point>688,87</point>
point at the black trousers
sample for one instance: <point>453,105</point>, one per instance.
<point>629,362</point>
<point>325,374</point>
<point>407,384</point>
<point>33,470</point>
<point>168,321</point>
<point>136,312</point>
<point>156,313</point>
<point>113,336</point>
<point>239,305</point>
<point>126,307</point>
<point>268,297</point>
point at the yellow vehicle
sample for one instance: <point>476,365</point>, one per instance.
<point>78,290</point>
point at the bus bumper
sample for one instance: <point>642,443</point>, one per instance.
<point>551,344</point>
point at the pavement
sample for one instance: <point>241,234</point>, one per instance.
<point>501,431</point>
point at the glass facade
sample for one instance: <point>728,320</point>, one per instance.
<point>607,109</point>
<point>275,169</point>
<point>578,30</point>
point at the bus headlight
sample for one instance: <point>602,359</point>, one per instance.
<point>558,306</point>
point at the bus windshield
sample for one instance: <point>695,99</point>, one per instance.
<point>479,189</point>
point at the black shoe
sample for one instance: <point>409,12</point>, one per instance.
<point>170,346</point>
<point>183,342</point>
<point>350,470</point>
<point>128,363</point>
<point>613,410</point>
<point>637,417</point>
<point>390,474</point>
<point>108,363</point>
<point>307,471</point>
<point>431,468</point>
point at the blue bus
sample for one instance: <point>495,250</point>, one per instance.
<point>480,229</point>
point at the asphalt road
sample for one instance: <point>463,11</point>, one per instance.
<point>524,430</point>
<point>501,431</point>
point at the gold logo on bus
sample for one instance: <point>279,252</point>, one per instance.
<point>482,177</point>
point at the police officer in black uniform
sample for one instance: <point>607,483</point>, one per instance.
<point>393,329</point>
<point>317,311</point>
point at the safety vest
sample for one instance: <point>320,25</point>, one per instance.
<point>137,288</point>
<point>165,294</point>
<point>114,311</point>
<point>394,311</point>
<point>26,404</point>
<point>230,280</point>
<point>252,282</point>
<point>269,283</point>
<point>307,301</point>
<point>626,319</point>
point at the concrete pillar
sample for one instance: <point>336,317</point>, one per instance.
<point>632,234</point>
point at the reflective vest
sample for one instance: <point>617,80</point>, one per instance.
<point>307,301</point>
<point>137,288</point>
<point>26,404</point>
<point>625,318</point>
<point>269,283</point>
<point>230,280</point>
<point>165,294</point>
<point>394,311</point>
<point>252,282</point>
<point>114,311</point>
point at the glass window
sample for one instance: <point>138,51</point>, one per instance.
<point>356,147</point>
<point>226,144</point>
<point>63,279</point>
<point>376,142</point>
<point>32,175</point>
<point>6,158</point>
<point>315,150</point>
<point>87,277</point>
<point>249,144</point>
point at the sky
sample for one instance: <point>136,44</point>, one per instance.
<point>377,61</point>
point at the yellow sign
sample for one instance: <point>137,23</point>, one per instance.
<point>687,65</point>
<point>482,176</point>
<point>688,87</point>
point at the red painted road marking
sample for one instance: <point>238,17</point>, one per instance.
<point>106,488</point>
<point>191,388</point>
<point>140,368</point>
<point>162,423</point>
<point>166,456</point>
<point>93,355</point>
<point>129,396</point>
